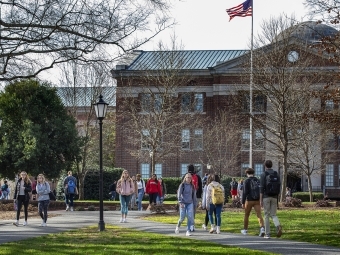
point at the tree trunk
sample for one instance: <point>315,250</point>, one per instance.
<point>310,188</point>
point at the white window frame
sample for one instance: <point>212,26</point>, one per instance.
<point>329,105</point>
<point>259,139</point>
<point>244,166</point>
<point>185,139</point>
<point>145,170</point>
<point>199,102</point>
<point>198,139</point>
<point>159,170</point>
<point>184,168</point>
<point>245,142</point>
<point>329,175</point>
<point>258,169</point>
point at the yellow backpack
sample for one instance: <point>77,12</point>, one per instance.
<point>217,196</point>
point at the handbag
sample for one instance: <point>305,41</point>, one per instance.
<point>52,196</point>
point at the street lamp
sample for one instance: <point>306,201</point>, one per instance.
<point>100,108</point>
<point>208,167</point>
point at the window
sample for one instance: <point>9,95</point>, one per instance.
<point>329,105</point>
<point>258,169</point>
<point>184,169</point>
<point>145,139</point>
<point>332,141</point>
<point>151,100</point>
<point>198,139</point>
<point>329,175</point>
<point>245,143</point>
<point>145,171</point>
<point>259,103</point>
<point>185,139</point>
<point>158,170</point>
<point>259,139</point>
<point>198,104</point>
<point>192,103</point>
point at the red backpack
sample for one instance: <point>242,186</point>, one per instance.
<point>194,180</point>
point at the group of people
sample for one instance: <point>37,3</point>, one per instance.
<point>255,193</point>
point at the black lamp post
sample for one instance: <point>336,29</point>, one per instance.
<point>100,108</point>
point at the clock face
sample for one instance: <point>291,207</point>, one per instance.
<point>293,56</point>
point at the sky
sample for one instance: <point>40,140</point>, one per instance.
<point>204,25</point>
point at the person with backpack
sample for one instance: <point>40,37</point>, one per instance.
<point>269,191</point>
<point>43,189</point>
<point>187,199</point>
<point>70,190</point>
<point>206,219</point>
<point>233,188</point>
<point>4,191</point>
<point>125,188</point>
<point>215,200</point>
<point>251,199</point>
<point>140,191</point>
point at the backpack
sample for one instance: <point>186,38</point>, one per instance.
<point>194,181</point>
<point>234,185</point>
<point>272,187</point>
<point>71,186</point>
<point>254,192</point>
<point>217,195</point>
<point>4,187</point>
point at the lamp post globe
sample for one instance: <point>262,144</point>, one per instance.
<point>100,108</point>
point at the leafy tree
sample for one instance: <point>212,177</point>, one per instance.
<point>37,134</point>
<point>37,35</point>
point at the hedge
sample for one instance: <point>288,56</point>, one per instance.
<point>304,196</point>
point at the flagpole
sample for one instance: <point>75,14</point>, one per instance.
<point>251,91</point>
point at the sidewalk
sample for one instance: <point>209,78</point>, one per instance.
<point>73,220</point>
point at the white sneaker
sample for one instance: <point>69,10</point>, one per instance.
<point>212,230</point>
<point>25,223</point>
<point>67,207</point>
<point>188,233</point>
<point>125,221</point>
<point>16,223</point>
<point>71,208</point>
<point>44,224</point>
<point>204,227</point>
<point>218,230</point>
<point>177,230</point>
<point>244,232</point>
<point>121,220</point>
<point>262,232</point>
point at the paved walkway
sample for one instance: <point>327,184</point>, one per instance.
<point>74,220</point>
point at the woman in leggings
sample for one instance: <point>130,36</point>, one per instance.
<point>21,196</point>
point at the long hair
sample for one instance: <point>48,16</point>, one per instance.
<point>122,176</point>
<point>188,174</point>
<point>42,176</point>
<point>26,179</point>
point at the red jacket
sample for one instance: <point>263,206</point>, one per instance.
<point>153,186</point>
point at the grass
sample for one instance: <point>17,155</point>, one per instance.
<point>319,226</point>
<point>118,241</point>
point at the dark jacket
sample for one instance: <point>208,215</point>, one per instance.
<point>263,182</point>
<point>247,189</point>
<point>28,188</point>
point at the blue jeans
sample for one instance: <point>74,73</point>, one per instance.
<point>113,195</point>
<point>218,209</point>
<point>69,197</point>
<point>186,210</point>
<point>124,203</point>
<point>159,200</point>
<point>140,198</point>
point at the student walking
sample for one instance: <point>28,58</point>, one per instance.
<point>43,189</point>
<point>125,188</point>
<point>153,188</point>
<point>215,201</point>
<point>70,190</point>
<point>140,191</point>
<point>21,196</point>
<point>269,191</point>
<point>251,199</point>
<point>187,201</point>
<point>160,199</point>
<point>206,219</point>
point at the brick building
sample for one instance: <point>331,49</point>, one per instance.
<point>215,78</point>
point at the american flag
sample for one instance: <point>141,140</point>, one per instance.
<point>242,10</point>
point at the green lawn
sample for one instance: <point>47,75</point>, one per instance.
<point>118,241</point>
<point>319,226</point>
